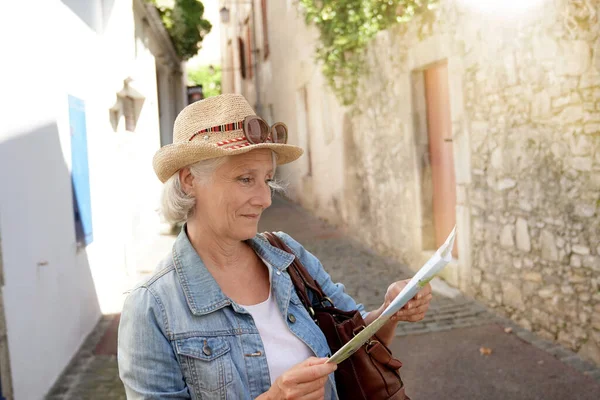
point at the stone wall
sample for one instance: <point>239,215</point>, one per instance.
<point>526,124</point>
<point>525,113</point>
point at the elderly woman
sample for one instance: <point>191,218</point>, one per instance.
<point>220,318</point>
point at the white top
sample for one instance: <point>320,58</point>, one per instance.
<point>283,349</point>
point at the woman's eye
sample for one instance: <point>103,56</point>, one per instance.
<point>246,180</point>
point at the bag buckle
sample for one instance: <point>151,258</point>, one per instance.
<point>357,330</point>
<point>327,299</point>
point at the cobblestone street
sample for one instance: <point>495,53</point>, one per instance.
<point>446,345</point>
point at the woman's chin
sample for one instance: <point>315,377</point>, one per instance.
<point>248,232</point>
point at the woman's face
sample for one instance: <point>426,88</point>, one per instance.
<point>232,202</point>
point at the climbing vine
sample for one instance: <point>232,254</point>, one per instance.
<point>346,27</point>
<point>184,23</point>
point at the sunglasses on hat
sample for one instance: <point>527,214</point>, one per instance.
<point>256,130</point>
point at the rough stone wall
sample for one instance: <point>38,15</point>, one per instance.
<point>529,99</point>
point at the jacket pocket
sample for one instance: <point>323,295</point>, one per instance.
<point>206,365</point>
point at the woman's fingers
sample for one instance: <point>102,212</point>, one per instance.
<point>415,303</point>
<point>412,314</point>
<point>318,394</point>
<point>305,380</point>
<point>316,389</point>
<point>311,370</point>
<point>424,292</point>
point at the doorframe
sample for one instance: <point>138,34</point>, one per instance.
<point>434,50</point>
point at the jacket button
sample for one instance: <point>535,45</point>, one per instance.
<point>291,318</point>
<point>207,350</point>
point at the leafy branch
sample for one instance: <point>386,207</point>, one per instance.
<point>184,23</point>
<point>346,27</point>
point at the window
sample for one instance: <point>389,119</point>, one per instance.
<point>265,27</point>
<point>80,179</point>
<point>242,57</point>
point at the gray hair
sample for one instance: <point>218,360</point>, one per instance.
<point>177,206</point>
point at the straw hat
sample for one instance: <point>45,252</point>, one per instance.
<point>211,112</point>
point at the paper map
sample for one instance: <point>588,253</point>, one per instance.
<point>428,271</point>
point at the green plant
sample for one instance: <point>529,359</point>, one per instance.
<point>207,76</point>
<point>184,23</point>
<point>346,27</point>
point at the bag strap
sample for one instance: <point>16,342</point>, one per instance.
<point>301,278</point>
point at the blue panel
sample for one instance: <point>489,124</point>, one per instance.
<point>80,177</point>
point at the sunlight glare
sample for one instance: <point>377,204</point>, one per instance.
<point>501,6</point>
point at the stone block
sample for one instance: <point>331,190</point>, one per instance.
<point>544,334</point>
<point>566,289</point>
<point>582,163</point>
<point>533,276</point>
<point>590,351</point>
<point>585,210</point>
<point>497,158</point>
<point>549,250</point>
<point>574,57</point>
<point>506,237</point>
<point>541,107</point>
<point>505,184</point>
<point>571,98</point>
<point>571,115</point>
<point>558,150</point>
<point>522,236</point>
<point>545,48</point>
<point>511,295</point>
<point>592,262</point>
<point>547,292</point>
<point>517,263</point>
<point>577,279</point>
<point>597,55</point>
<point>567,339</point>
<point>584,297</point>
<point>580,145</point>
<point>476,277</point>
<point>591,128</point>
<point>581,250</point>
<point>596,320</point>
<point>590,79</point>
<point>524,323</point>
<point>575,261</point>
<point>487,291</point>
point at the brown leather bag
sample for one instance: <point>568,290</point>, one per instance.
<point>369,374</point>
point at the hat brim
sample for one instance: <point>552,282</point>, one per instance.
<point>171,158</point>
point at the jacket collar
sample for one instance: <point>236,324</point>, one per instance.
<point>201,291</point>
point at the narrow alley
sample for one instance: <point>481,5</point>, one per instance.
<point>461,350</point>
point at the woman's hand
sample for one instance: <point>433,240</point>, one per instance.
<point>415,309</point>
<point>412,311</point>
<point>303,381</point>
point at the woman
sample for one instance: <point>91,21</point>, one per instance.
<point>220,318</point>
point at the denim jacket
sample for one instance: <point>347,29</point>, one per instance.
<point>181,337</point>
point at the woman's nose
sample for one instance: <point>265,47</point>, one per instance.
<point>264,196</point>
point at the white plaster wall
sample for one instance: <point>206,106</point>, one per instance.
<point>54,294</point>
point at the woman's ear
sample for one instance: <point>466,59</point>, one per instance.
<point>187,181</point>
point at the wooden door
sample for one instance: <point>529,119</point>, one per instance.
<point>439,129</point>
